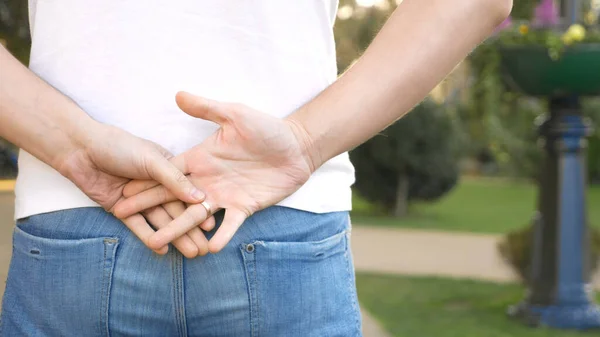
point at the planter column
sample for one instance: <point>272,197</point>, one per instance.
<point>560,294</point>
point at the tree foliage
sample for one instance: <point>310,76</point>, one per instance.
<point>414,159</point>
<point>14,28</point>
<point>354,33</point>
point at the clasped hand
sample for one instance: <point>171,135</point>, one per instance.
<point>252,161</point>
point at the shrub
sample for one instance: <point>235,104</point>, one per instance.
<point>8,160</point>
<point>414,160</point>
<point>591,109</point>
<point>516,248</point>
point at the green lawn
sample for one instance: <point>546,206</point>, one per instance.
<point>482,205</point>
<point>435,307</point>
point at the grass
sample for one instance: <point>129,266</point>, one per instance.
<point>435,307</point>
<point>474,205</point>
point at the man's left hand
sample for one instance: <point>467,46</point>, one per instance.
<point>252,162</point>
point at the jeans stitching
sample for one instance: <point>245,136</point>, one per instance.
<point>175,290</point>
<point>178,302</point>
<point>351,289</point>
<point>181,295</point>
<point>254,272</point>
<point>107,272</point>
<point>103,309</point>
<point>251,280</point>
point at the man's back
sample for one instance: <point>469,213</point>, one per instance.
<point>123,62</point>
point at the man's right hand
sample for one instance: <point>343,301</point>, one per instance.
<point>109,158</point>
<point>98,158</point>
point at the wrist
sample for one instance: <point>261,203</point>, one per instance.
<point>80,136</point>
<point>308,147</point>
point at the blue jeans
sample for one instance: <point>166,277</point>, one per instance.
<point>81,272</point>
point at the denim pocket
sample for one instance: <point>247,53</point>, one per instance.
<point>302,288</point>
<point>57,286</point>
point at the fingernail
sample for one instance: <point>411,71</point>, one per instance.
<point>197,194</point>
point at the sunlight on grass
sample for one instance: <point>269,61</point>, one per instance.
<point>437,307</point>
<point>482,205</point>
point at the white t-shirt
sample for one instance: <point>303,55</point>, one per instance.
<point>123,61</point>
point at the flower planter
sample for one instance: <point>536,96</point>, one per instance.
<point>530,70</point>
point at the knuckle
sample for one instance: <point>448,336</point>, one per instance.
<point>161,194</point>
<point>197,213</point>
<point>181,178</point>
<point>146,164</point>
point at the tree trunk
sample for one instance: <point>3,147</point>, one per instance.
<point>401,208</point>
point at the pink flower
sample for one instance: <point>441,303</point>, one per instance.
<point>546,13</point>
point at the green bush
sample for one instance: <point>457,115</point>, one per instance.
<point>591,109</point>
<point>415,159</point>
<point>14,28</point>
<point>594,159</point>
<point>516,249</point>
<point>523,9</point>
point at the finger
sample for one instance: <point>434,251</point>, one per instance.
<point>175,209</point>
<point>231,223</point>
<point>208,224</point>
<point>164,172</point>
<point>159,218</point>
<point>199,240</point>
<point>204,108</point>
<point>149,198</point>
<point>138,226</point>
<point>192,217</point>
<point>137,186</point>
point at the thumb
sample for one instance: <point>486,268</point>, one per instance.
<point>204,108</point>
<point>167,174</point>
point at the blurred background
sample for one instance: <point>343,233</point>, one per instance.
<point>444,198</point>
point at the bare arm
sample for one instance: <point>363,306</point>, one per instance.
<point>41,120</point>
<point>420,44</point>
<point>38,118</point>
<point>98,158</point>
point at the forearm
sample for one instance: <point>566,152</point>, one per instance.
<point>38,118</point>
<point>419,45</point>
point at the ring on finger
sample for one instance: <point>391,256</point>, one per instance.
<point>206,205</point>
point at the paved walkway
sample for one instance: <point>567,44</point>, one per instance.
<point>7,186</point>
<point>431,253</point>
<point>6,226</point>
